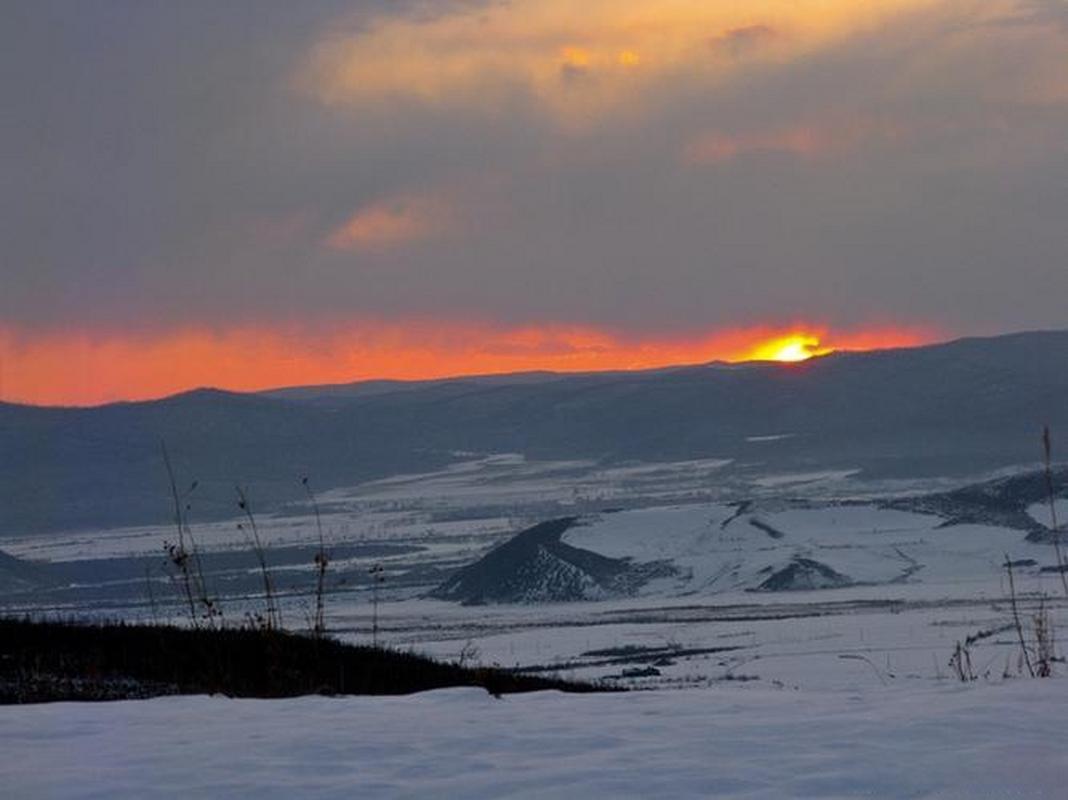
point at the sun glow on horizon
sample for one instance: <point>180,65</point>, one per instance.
<point>93,367</point>
<point>790,349</point>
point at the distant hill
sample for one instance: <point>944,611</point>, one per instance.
<point>335,395</point>
<point>948,409</point>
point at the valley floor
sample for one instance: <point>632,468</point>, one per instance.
<point>946,741</point>
<point>896,575</point>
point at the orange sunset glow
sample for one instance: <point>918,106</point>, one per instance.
<point>80,368</point>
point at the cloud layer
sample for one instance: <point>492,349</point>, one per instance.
<point>655,168</point>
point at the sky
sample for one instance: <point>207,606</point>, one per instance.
<point>252,194</point>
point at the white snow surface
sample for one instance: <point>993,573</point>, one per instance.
<point>945,741</point>
<point>1039,512</point>
<point>717,548</point>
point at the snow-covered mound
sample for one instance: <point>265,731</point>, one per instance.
<point>803,573</point>
<point>536,567</point>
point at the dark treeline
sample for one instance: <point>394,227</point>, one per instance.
<point>53,661</point>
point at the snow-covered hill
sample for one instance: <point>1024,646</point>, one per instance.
<point>769,545</point>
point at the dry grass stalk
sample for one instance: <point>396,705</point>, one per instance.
<point>1016,618</point>
<point>1051,495</point>
<point>1044,646</point>
<point>321,563</point>
<point>272,619</point>
<point>186,558</point>
<point>961,663</point>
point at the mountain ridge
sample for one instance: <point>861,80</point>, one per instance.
<point>958,408</point>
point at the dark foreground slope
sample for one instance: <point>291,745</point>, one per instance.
<point>50,661</point>
<point>950,409</point>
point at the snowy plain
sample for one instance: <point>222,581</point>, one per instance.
<point>916,587</point>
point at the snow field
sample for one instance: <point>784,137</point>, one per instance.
<point>979,741</point>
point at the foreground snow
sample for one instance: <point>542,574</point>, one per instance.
<point>945,741</point>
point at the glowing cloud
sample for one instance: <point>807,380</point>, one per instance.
<point>578,61</point>
<point>86,368</point>
<point>390,224</point>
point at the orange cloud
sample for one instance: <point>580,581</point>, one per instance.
<point>577,62</point>
<point>392,223</point>
<point>86,368</point>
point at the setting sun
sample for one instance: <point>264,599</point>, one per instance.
<point>792,348</point>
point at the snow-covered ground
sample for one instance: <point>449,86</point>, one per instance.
<point>910,587</point>
<point>948,741</point>
<point>720,549</point>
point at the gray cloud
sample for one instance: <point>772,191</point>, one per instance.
<point>1039,12</point>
